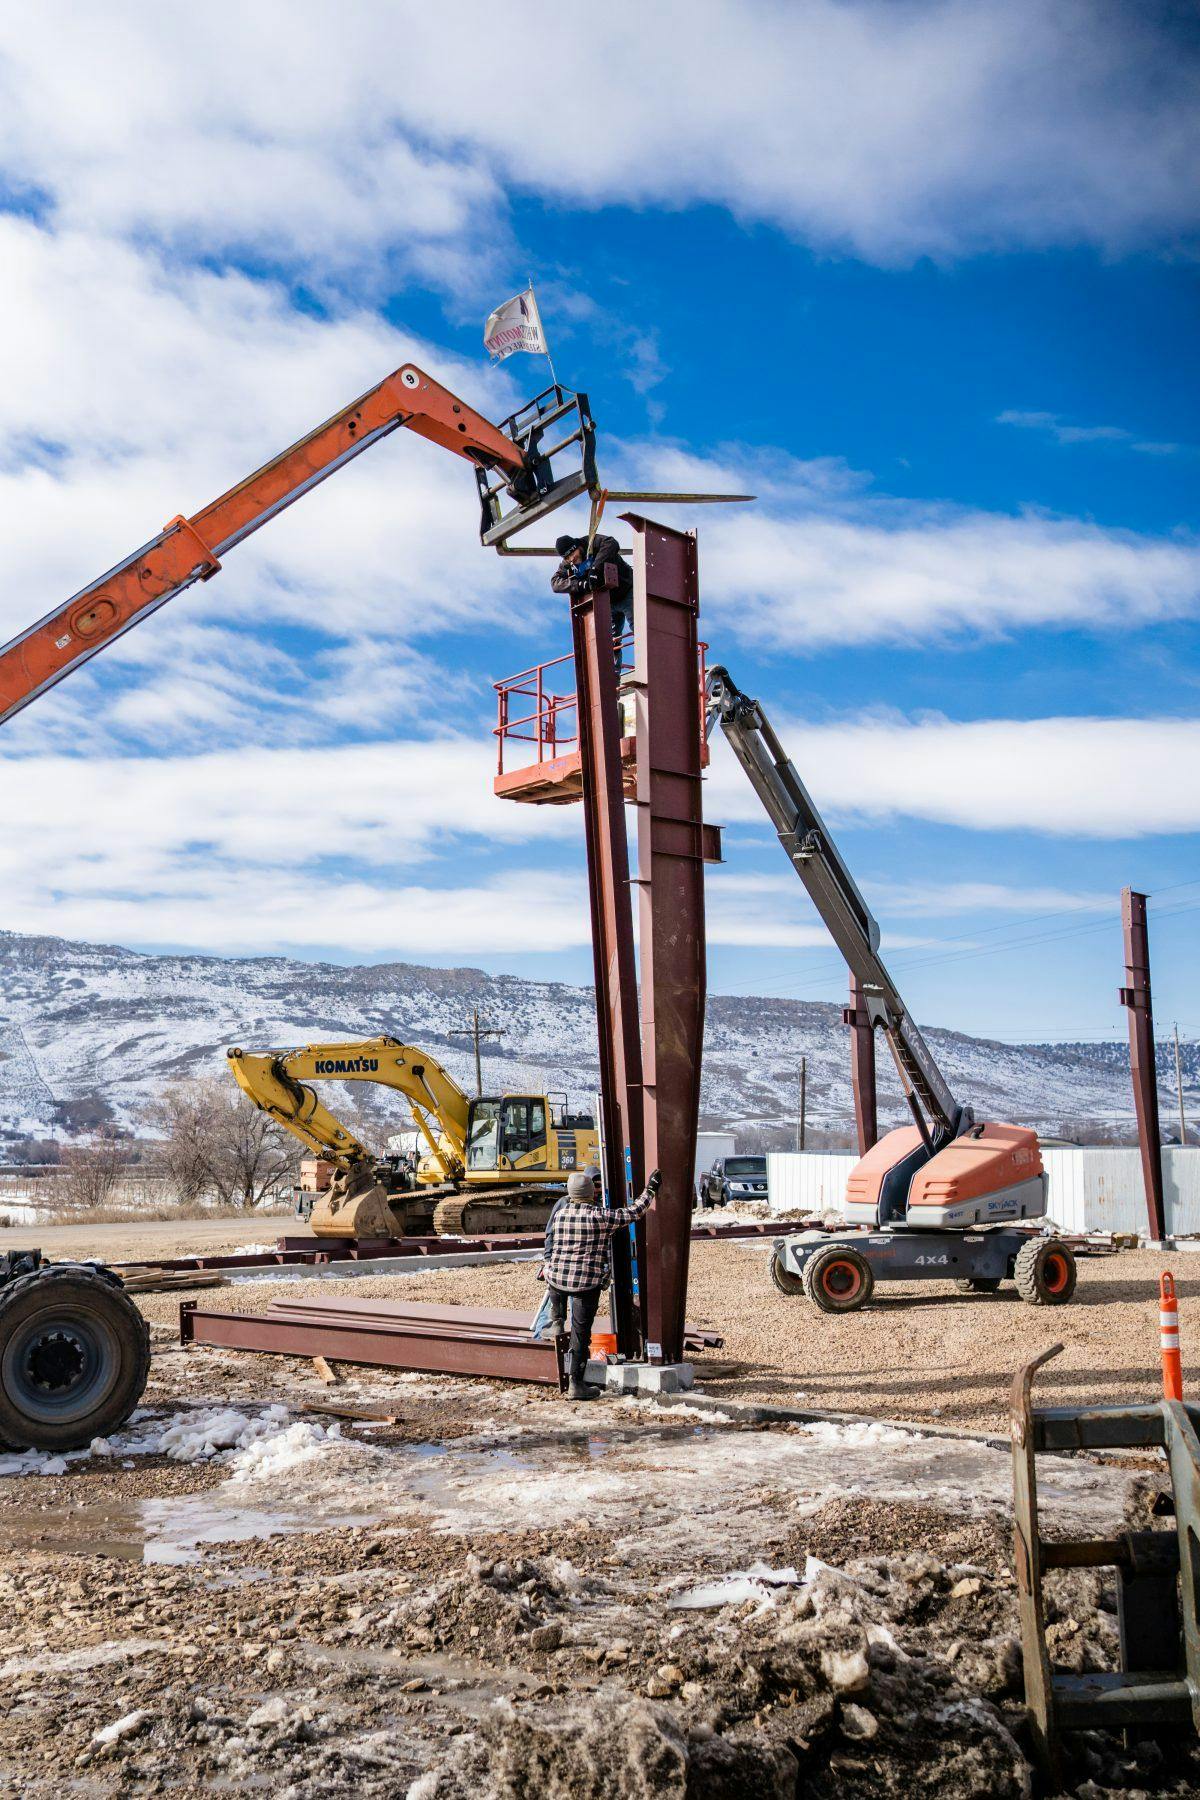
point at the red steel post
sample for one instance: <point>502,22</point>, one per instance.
<point>862,1068</point>
<point>1136,996</point>
<point>670,881</point>
<point>612,932</point>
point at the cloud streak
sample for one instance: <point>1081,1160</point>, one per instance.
<point>1053,425</point>
<point>385,140</point>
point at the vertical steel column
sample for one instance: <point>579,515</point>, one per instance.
<point>1136,996</point>
<point>671,909</point>
<point>612,931</point>
<point>862,1067</point>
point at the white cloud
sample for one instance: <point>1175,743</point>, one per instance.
<point>345,141</point>
<point>823,560</point>
<point>1064,432</point>
<point>386,847</point>
<point>1081,777</point>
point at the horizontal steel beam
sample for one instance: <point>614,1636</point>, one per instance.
<point>387,1345</point>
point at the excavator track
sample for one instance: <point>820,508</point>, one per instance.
<point>489,1212</point>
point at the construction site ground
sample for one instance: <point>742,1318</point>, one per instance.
<point>486,1591</point>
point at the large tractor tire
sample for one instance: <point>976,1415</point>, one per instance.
<point>838,1279</point>
<point>1045,1272</point>
<point>787,1282</point>
<point>74,1357</point>
<point>979,1284</point>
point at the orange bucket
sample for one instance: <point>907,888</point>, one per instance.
<point>604,1343</point>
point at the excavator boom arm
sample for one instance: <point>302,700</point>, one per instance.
<point>817,861</point>
<point>190,549</point>
<point>280,1085</point>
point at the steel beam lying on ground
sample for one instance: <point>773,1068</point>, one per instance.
<point>383,1342</point>
<point>399,1334</point>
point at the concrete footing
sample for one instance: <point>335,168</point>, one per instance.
<point>642,1378</point>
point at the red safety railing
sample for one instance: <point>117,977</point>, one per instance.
<point>531,709</point>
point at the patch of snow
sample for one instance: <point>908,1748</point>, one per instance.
<point>38,1462</point>
<point>759,1583</point>
<point>195,1436</point>
<point>866,1432</point>
<point>267,1456</point>
<point>120,1728</point>
<point>54,1662</point>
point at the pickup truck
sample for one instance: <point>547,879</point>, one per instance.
<point>734,1178</point>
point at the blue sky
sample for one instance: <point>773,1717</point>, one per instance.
<point>923,277</point>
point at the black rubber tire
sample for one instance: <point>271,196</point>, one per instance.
<point>979,1284</point>
<point>1045,1272</point>
<point>62,1315</point>
<point>838,1279</point>
<point>784,1280</point>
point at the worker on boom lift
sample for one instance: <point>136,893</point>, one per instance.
<point>577,1249</point>
<point>581,571</point>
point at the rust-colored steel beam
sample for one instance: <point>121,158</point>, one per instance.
<point>862,1068</point>
<point>390,1343</point>
<point>612,934</point>
<point>1136,996</point>
<point>670,878</point>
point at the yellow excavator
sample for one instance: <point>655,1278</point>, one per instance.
<point>490,1165</point>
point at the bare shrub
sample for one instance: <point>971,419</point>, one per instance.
<point>218,1146</point>
<point>90,1171</point>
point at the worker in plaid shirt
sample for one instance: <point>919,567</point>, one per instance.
<point>578,1237</point>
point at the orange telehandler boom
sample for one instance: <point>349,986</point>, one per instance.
<point>190,549</point>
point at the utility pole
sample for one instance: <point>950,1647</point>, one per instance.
<point>476,1032</point>
<point>1179,1089</point>
<point>802,1126</point>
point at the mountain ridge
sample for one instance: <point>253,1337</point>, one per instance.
<point>93,1033</point>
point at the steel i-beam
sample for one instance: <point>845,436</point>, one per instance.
<point>1136,996</point>
<point>612,935</point>
<point>671,853</point>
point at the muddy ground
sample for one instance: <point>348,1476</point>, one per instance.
<point>484,1591</point>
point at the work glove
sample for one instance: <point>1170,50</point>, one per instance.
<point>654,1183</point>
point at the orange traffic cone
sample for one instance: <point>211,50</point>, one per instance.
<point>1168,1329</point>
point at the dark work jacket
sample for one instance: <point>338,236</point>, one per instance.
<point>590,574</point>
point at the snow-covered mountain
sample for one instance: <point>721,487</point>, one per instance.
<point>92,1032</point>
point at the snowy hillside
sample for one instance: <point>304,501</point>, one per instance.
<point>93,1032</point>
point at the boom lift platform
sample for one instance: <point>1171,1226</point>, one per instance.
<point>946,1197</point>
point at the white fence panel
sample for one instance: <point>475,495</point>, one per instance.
<point>1092,1188</point>
<point>808,1180</point>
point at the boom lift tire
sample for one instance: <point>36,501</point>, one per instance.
<point>1045,1272</point>
<point>979,1284</point>
<point>74,1357</point>
<point>838,1279</point>
<point>782,1276</point>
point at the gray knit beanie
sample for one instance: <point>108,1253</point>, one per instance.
<point>580,1186</point>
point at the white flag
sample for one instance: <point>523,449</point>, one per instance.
<point>515,326</point>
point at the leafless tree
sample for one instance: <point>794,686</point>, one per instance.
<point>91,1170</point>
<point>218,1145</point>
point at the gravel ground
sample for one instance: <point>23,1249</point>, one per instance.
<point>155,1237</point>
<point>497,1595</point>
<point>920,1351</point>
<point>476,1599</point>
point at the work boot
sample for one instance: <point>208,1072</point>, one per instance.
<point>583,1390</point>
